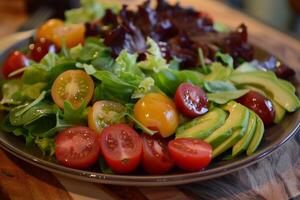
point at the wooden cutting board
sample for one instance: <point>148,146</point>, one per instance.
<point>276,177</point>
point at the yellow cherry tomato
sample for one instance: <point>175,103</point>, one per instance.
<point>47,29</point>
<point>105,113</point>
<point>156,111</point>
<point>74,86</point>
<point>70,35</point>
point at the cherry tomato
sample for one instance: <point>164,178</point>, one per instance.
<point>77,147</point>
<point>156,111</point>
<point>40,48</point>
<point>13,62</point>
<point>74,86</point>
<point>190,154</point>
<point>190,100</point>
<point>262,106</point>
<point>105,113</point>
<point>156,158</point>
<point>70,35</point>
<point>47,29</point>
<point>121,147</point>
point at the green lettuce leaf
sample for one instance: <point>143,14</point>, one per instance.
<point>218,86</point>
<point>225,58</point>
<point>113,87</point>
<point>224,97</point>
<point>154,59</point>
<point>144,87</point>
<point>9,88</point>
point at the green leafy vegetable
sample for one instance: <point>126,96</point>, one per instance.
<point>92,49</point>
<point>113,88</point>
<point>75,51</point>
<point>144,87</point>
<point>9,88</point>
<point>90,10</point>
<point>47,145</point>
<point>127,63</point>
<point>50,60</point>
<point>154,59</point>
<point>89,69</point>
<point>35,74</point>
<point>218,86</point>
<point>26,107</point>
<point>225,58</point>
<point>224,97</point>
<point>23,115</point>
<point>205,69</point>
<point>75,115</point>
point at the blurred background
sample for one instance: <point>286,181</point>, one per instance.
<point>26,14</point>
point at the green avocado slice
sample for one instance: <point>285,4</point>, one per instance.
<point>280,93</point>
<point>238,119</point>
<point>227,144</point>
<point>201,127</point>
<point>258,135</point>
<point>243,144</point>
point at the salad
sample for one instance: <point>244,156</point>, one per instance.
<point>155,88</point>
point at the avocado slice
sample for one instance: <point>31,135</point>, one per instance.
<point>258,135</point>
<point>280,93</point>
<point>201,127</point>
<point>227,144</point>
<point>243,143</point>
<point>289,86</point>
<point>279,110</point>
<point>238,119</point>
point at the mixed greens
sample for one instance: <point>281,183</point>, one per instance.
<point>128,60</point>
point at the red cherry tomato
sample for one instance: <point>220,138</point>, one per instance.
<point>190,154</point>
<point>77,147</point>
<point>14,61</point>
<point>190,100</point>
<point>156,158</point>
<point>40,48</point>
<point>121,147</point>
<point>262,106</point>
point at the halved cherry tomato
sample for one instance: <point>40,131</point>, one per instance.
<point>190,100</point>
<point>74,86</point>
<point>156,111</point>
<point>261,105</point>
<point>14,61</point>
<point>77,147</point>
<point>47,29</point>
<point>70,35</point>
<point>121,147</point>
<point>190,154</point>
<point>40,48</point>
<point>105,113</point>
<point>156,158</point>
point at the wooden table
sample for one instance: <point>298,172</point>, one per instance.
<point>276,177</point>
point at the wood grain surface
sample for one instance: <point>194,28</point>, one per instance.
<point>274,178</point>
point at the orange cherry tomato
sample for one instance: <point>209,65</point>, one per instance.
<point>105,113</point>
<point>70,35</point>
<point>47,29</point>
<point>156,111</point>
<point>74,86</point>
